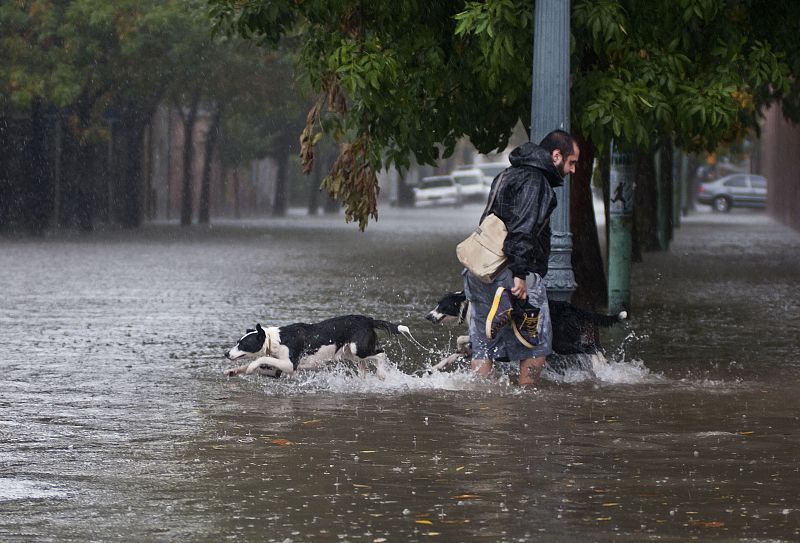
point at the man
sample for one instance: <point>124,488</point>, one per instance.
<point>510,317</point>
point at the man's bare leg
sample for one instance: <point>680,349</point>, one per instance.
<point>482,367</point>
<point>530,370</point>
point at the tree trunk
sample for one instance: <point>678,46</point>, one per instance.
<point>188,158</point>
<point>646,205</point>
<point>84,188</point>
<point>6,175</point>
<point>587,260</point>
<point>665,196</point>
<point>204,213</point>
<point>75,198</point>
<point>405,194</point>
<point>237,211</point>
<point>313,189</point>
<point>281,202</point>
<point>37,199</point>
<point>129,200</point>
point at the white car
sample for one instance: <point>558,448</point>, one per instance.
<point>490,170</point>
<point>471,185</point>
<point>437,190</point>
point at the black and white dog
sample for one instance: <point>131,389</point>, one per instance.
<point>573,331</point>
<point>283,350</point>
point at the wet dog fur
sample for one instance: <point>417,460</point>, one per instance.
<point>276,351</point>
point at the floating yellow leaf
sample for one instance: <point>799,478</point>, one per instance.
<point>610,504</point>
<point>459,468</point>
<point>423,521</point>
<point>361,486</point>
<point>467,497</point>
<point>433,533</point>
<point>281,441</point>
<point>309,422</point>
<point>707,523</point>
<point>603,518</point>
<point>367,452</point>
<point>746,433</point>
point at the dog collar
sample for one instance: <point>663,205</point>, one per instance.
<point>268,345</point>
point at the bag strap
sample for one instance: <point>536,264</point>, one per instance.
<point>543,226</point>
<point>494,192</point>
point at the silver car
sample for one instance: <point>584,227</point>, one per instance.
<point>437,190</point>
<point>737,190</point>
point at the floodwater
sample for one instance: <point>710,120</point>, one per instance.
<point>117,424</point>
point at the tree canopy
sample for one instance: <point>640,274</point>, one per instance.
<point>396,79</point>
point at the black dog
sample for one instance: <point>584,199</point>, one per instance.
<point>301,346</point>
<point>573,327</point>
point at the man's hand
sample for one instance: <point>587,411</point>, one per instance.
<point>520,289</point>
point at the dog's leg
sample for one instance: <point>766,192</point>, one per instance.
<point>445,362</point>
<point>379,361</point>
<point>232,372</point>
<point>263,365</point>
<point>361,367</point>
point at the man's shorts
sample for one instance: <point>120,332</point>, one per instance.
<point>505,345</point>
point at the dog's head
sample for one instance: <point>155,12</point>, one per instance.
<point>450,309</point>
<point>250,345</point>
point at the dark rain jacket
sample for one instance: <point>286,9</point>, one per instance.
<point>524,204</point>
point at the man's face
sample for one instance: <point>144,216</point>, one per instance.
<point>566,166</point>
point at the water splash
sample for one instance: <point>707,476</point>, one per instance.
<point>343,379</point>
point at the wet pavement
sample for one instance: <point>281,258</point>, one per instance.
<point>116,423</point>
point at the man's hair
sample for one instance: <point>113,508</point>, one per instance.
<point>558,139</point>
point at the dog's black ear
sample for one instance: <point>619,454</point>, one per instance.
<point>260,330</point>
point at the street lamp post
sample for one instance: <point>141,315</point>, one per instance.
<point>550,111</point>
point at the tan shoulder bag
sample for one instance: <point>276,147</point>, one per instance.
<point>482,252</point>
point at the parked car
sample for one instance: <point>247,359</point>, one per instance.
<point>489,170</point>
<point>471,185</point>
<point>437,190</point>
<point>737,190</point>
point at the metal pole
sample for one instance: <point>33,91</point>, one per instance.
<point>549,111</point>
<point>620,229</point>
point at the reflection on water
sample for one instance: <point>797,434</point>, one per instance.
<point>117,423</point>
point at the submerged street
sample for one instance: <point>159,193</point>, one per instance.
<point>117,424</point>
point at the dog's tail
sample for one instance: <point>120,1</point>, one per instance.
<point>601,319</point>
<point>398,329</point>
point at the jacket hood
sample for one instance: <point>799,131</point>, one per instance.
<point>530,154</point>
